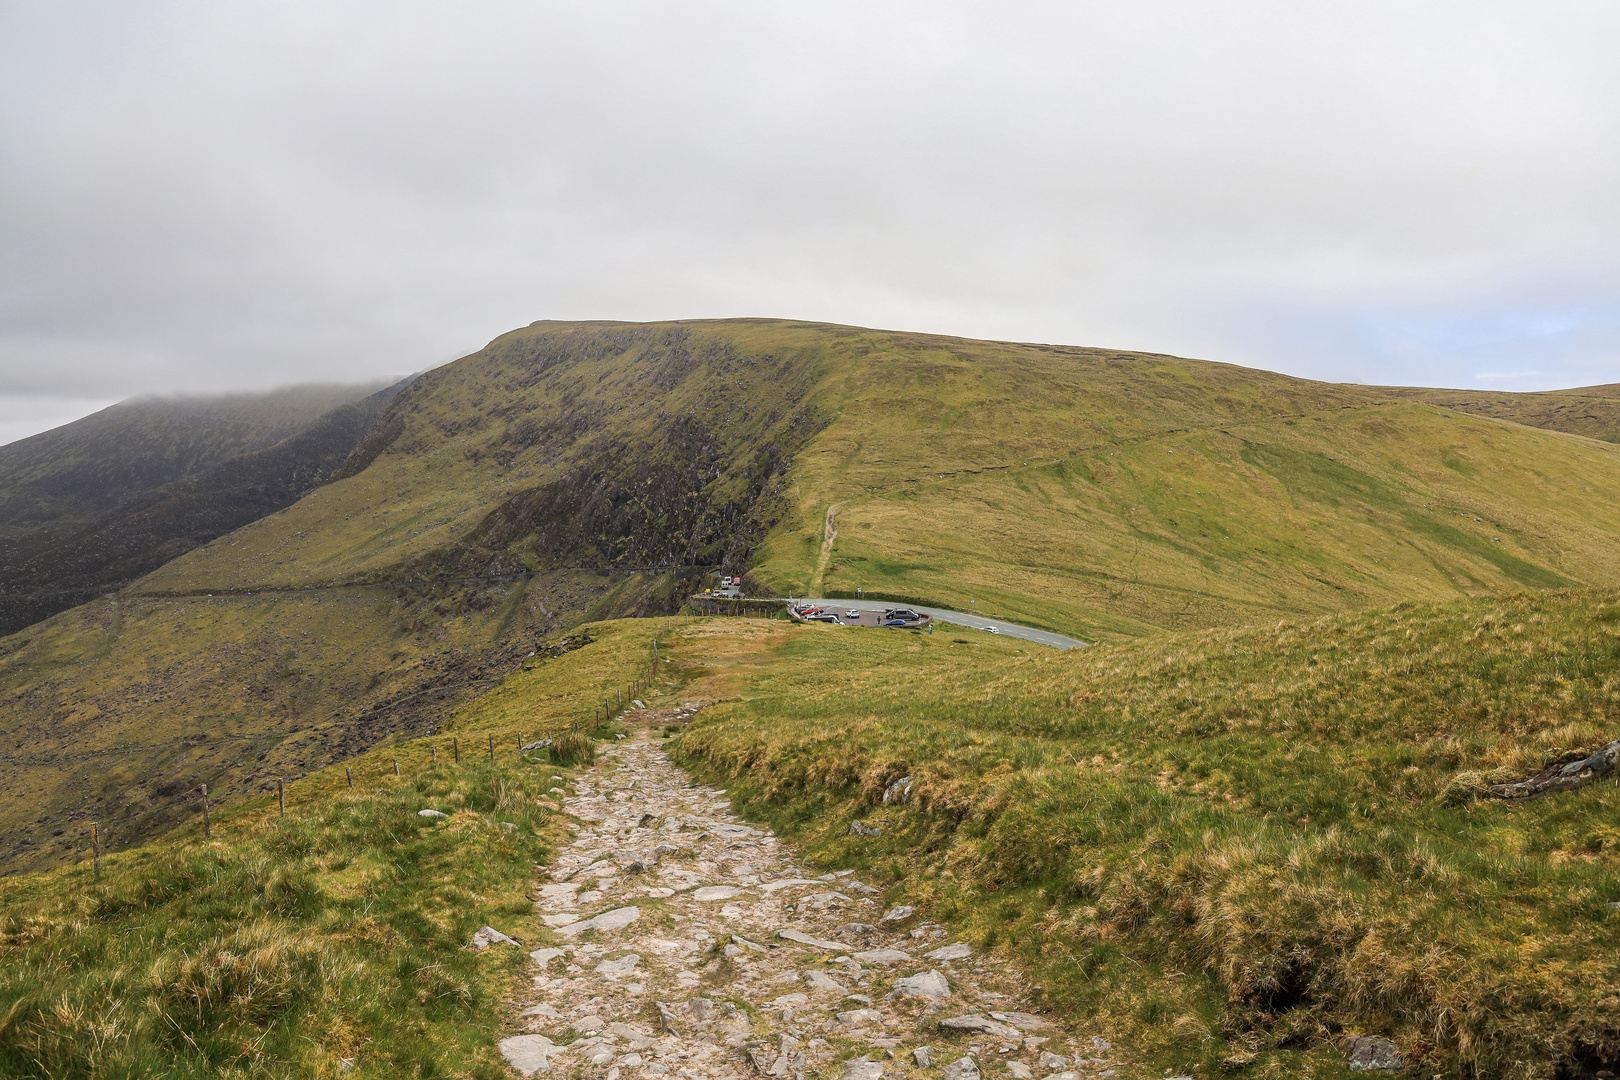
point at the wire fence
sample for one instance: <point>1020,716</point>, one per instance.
<point>418,752</point>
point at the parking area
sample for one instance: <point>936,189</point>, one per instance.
<point>872,610</point>
<point>847,614</point>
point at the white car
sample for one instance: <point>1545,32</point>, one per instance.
<point>852,614</point>
<point>992,630</point>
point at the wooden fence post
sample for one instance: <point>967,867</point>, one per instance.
<point>350,774</point>
<point>434,750</point>
<point>281,797</point>
<point>492,746</point>
<point>396,766</point>
<point>208,828</point>
<point>95,847</point>
<point>455,745</point>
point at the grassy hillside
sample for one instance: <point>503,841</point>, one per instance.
<point>1103,494</point>
<point>97,503</point>
<point>1233,842</point>
<point>1593,411</point>
<point>1100,493</point>
<point>329,942</point>
<point>117,710</point>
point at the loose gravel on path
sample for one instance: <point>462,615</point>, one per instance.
<point>695,945</point>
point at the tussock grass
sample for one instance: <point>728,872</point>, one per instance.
<point>1239,840</point>
<point>332,941</point>
<point>297,945</point>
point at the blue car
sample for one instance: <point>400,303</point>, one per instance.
<point>894,622</point>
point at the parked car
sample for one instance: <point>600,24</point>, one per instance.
<point>852,613</point>
<point>895,622</point>
<point>822,617</point>
<point>809,612</point>
<point>902,613</point>
<point>992,630</point>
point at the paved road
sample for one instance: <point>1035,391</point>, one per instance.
<point>958,618</point>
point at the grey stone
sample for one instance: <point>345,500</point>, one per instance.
<point>862,1069</point>
<point>964,1068</point>
<point>1064,1076</point>
<point>852,930</point>
<point>545,956</point>
<point>861,828</point>
<point>623,965</point>
<point>930,984</point>
<point>859,1017</point>
<point>923,1056</point>
<point>898,914</point>
<point>899,791</point>
<point>982,1024</point>
<point>883,957</point>
<point>1019,1071</point>
<point>716,892</point>
<point>1370,1053</point>
<point>541,745</point>
<point>529,1054</point>
<point>540,1010</point>
<point>638,1039</point>
<point>788,1001</point>
<point>431,813</point>
<point>1023,1021</point>
<point>820,980</point>
<point>1050,1061</point>
<point>959,951</point>
<point>1100,1043</point>
<point>617,919</point>
<point>785,883</point>
<point>590,1024</point>
<point>488,935</point>
<point>815,942</point>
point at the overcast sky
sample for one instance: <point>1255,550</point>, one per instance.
<point>205,196</point>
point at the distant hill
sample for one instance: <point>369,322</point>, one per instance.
<point>1593,411</point>
<point>573,471</point>
<point>97,503</point>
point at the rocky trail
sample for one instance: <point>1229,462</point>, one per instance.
<point>694,945</point>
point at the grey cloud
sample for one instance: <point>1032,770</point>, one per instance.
<point>202,196</point>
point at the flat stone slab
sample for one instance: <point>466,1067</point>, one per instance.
<point>786,883</point>
<point>959,951</point>
<point>930,984</point>
<point>621,966</point>
<point>529,1054</point>
<point>716,892</point>
<point>982,1024</point>
<point>1023,1021</point>
<point>617,919</point>
<point>814,942</point>
<point>861,1069</point>
<point>820,980</point>
<point>882,957</point>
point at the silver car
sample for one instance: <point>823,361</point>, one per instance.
<point>852,614</point>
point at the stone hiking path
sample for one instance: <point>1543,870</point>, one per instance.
<point>697,947</point>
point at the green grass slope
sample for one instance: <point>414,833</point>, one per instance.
<point>1232,845</point>
<point>1593,411</point>
<point>331,942</point>
<point>1103,494</point>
